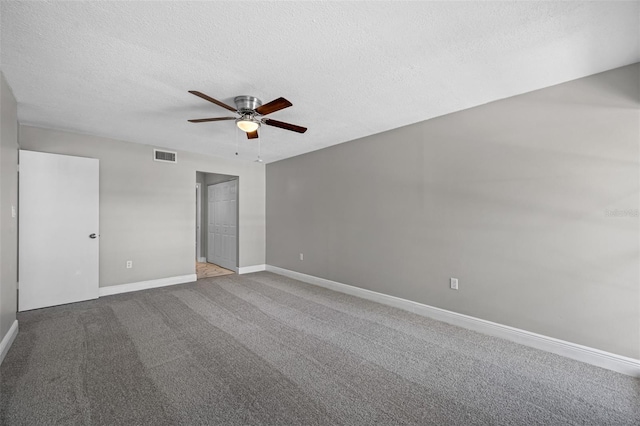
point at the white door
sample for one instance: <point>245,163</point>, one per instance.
<point>222,224</point>
<point>198,222</point>
<point>58,229</point>
<point>213,239</point>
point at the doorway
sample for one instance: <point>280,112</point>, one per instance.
<point>216,224</point>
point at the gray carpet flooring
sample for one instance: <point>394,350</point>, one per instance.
<point>262,349</point>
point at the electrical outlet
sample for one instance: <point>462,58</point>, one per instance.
<point>454,283</point>
<point>301,256</point>
<point>129,264</point>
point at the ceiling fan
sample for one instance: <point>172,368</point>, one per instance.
<point>251,112</point>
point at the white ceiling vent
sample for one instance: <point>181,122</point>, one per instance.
<point>165,156</point>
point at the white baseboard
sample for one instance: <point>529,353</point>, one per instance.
<point>250,269</point>
<point>144,285</point>
<point>8,339</point>
<point>610,361</point>
<point>202,259</point>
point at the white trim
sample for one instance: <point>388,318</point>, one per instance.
<point>144,285</point>
<point>597,357</point>
<point>198,221</point>
<point>250,269</point>
<point>8,339</point>
<point>202,259</point>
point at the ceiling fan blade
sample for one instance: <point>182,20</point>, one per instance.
<point>252,135</point>
<point>202,120</point>
<point>285,126</point>
<point>273,106</point>
<point>210,99</point>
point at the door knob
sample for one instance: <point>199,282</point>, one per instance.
<point>92,236</point>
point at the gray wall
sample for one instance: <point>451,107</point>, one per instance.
<point>212,179</point>
<point>511,198</point>
<point>148,209</point>
<point>8,198</point>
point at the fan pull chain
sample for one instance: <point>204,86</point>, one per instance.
<point>237,144</point>
<point>259,160</point>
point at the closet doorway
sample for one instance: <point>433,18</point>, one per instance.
<point>216,224</point>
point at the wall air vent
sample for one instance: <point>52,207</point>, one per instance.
<point>165,156</point>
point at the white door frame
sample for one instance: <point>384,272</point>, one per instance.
<point>198,222</point>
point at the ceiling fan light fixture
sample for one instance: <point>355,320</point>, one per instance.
<point>247,124</point>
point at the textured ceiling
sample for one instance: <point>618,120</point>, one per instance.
<point>351,69</point>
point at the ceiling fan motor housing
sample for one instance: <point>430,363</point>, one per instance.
<point>247,104</point>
